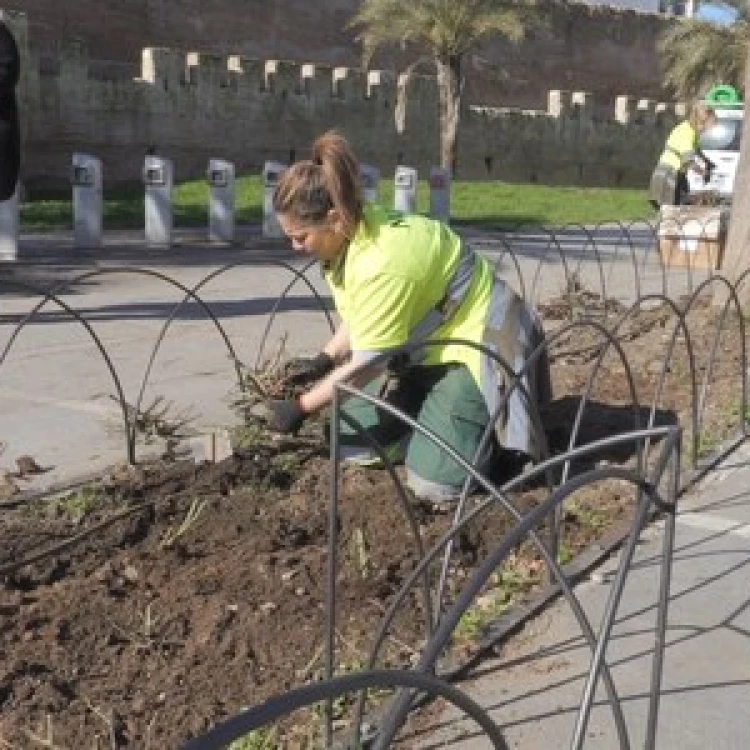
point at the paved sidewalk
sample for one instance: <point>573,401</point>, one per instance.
<point>534,691</point>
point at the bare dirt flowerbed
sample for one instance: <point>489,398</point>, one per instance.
<point>206,593</point>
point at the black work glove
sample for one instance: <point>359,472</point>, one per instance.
<point>285,416</point>
<point>306,370</point>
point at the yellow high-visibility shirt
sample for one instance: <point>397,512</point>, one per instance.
<point>396,269</point>
<point>681,146</point>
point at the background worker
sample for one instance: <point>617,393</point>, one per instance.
<point>669,183</point>
<point>396,279</point>
<point>10,139</point>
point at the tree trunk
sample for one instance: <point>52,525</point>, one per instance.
<point>449,96</point>
<point>737,253</point>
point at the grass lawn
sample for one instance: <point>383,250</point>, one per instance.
<point>477,203</point>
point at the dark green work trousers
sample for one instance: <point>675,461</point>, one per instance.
<point>444,399</point>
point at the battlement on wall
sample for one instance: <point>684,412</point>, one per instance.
<point>174,69</point>
<point>581,106</point>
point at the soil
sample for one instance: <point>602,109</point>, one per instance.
<point>144,633</point>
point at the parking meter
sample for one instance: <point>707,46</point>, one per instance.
<point>158,177</point>
<point>272,171</point>
<point>440,193</point>
<point>405,194</point>
<point>370,179</point>
<point>88,203</point>
<point>220,177</point>
<point>9,228</point>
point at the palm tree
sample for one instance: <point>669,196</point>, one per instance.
<point>444,31</point>
<point>697,54</point>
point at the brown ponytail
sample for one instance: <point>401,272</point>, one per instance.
<point>701,115</point>
<point>309,189</point>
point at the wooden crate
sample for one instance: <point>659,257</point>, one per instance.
<point>692,236</point>
<point>679,252</point>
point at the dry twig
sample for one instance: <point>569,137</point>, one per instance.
<point>159,419</point>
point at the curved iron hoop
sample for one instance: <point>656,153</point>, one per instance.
<point>276,708</point>
<point>731,298</point>
<point>192,293</point>
<point>590,240</point>
<point>514,384</point>
<point>49,296</point>
<point>272,315</point>
<point>741,279</point>
<point>738,283</point>
<point>649,246</point>
<point>540,436</point>
<point>380,361</point>
<point>449,622</point>
<point>653,246</point>
<point>516,265</point>
<point>551,241</point>
<point>496,496</point>
<point>529,362</point>
<point>611,342</point>
<point>334,535</point>
<point>628,241</point>
<point>649,490</point>
<point>680,326</point>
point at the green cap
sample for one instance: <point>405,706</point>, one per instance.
<point>723,95</point>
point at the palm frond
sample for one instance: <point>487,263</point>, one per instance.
<point>445,27</point>
<point>697,54</point>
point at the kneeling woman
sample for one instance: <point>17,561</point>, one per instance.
<point>396,279</point>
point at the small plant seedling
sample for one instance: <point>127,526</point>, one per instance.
<point>258,739</point>
<point>194,512</point>
<point>75,505</point>
<point>508,584</point>
<point>586,517</point>
<point>470,625</point>
<point>246,436</point>
<point>159,419</point>
<point>564,553</point>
